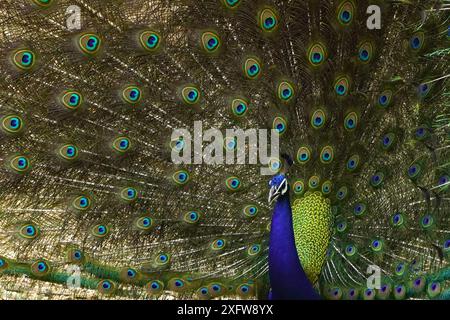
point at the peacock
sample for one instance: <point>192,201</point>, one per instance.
<point>355,206</point>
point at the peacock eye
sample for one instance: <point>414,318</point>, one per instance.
<point>353,162</point>
<point>162,259</point>
<point>71,100</point>
<point>444,180</point>
<point>218,244</point>
<point>250,211</point>
<point>121,145</point>
<point>40,268</point>
<point>181,177</point>
<point>20,164</point>
<point>384,99</point>
<point>359,209</point>
<point>81,203</point>
<point>150,40</point>
<point>279,124</point>
<point>414,171</point>
<point>254,249</point>
<point>416,41</point>
<point>239,107</point>
<point>341,86</point>
<point>351,121</point>
<point>313,182</point>
<point>190,95</point>
<point>252,68</point>
<point>68,152</point>
<point>268,20</point>
<point>275,165</point>
<point>303,155</point>
<point>316,54</point>
<point>350,250</point>
<point>43,3</point>
<point>447,244</point>
<point>231,4</point>
<point>424,89</point>
<point>24,59</point>
<point>345,13</point>
<point>376,245</point>
<point>100,231</point>
<point>12,124</point>
<point>342,226</point>
<point>342,193</point>
<point>233,183</point>
<point>29,231</point>
<point>336,293</point>
<point>365,52</point>
<point>131,95</point>
<point>155,287</point>
<point>3,263</point>
<point>244,290</point>
<point>210,41</point>
<point>89,44</point>
<point>327,155</point>
<point>191,217</point>
<point>388,141</point>
<point>177,284</point>
<point>129,194</point>
<point>106,287</point>
<point>377,179</point>
<point>318,119</point>
<point>285,91</point>
<point>131,273</point>
<point>299,187</point>
<point>327,187</point>
<point>427,221</point>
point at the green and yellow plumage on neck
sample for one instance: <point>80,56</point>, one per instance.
<point>92,205</point>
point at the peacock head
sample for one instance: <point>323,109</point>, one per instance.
<point>278,187</point>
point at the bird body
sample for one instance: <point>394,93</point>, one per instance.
<point>93,205</point>
<point>287,276</point>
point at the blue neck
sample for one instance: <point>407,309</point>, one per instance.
<point>287,278</point>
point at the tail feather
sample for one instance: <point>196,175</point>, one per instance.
<point>87,116</point>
